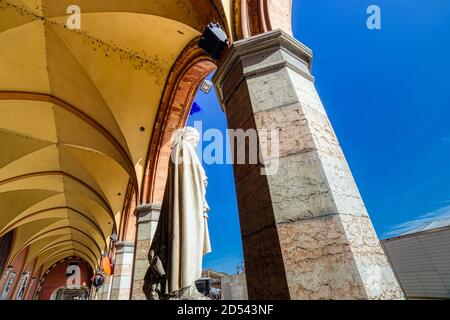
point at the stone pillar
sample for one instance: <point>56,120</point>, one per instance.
<point>147,216</point>
<point>105,293</point>
<point>123,270</point>
<point>305,230</point>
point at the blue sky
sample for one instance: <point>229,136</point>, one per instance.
<point>387,93</point>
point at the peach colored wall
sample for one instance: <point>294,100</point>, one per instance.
<point>57,278</point>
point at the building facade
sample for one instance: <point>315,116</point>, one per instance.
<point>90,95</point>
<point>421,261</point>
<point>234,287</point>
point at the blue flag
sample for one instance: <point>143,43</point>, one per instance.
<point>195,108</point>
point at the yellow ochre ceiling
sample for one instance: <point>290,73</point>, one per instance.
<point>77,108</point>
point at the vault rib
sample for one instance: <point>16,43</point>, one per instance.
<point>52,246</point>
<point>21,221</point>
<point>68,228</point>
<point>93,264</point>
<point>42,97</point>
<point>92,83</point>
<point>64,174</point>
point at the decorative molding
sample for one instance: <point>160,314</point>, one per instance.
<point>124,247</point>
<point>258,54</point>
<point>148,213</point>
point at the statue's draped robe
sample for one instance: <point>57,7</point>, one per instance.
<point>182,237</point>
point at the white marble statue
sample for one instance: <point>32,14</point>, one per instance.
<point>182,238</point>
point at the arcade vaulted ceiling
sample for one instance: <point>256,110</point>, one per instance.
<point>77,108</point>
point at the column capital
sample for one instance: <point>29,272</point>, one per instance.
<point>265,52</point>
<point>148,212</point>
<point>124,247</point>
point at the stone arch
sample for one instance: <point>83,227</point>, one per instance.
<point>127,227</point>
<point>186,75</point>
<point>252,17</point>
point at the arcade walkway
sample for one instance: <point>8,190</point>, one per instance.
<point>78,108</point>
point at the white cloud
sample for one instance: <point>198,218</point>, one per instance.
<point>434,219</point>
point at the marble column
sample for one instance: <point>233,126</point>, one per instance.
<point>147,216</point>
<point>123,270</point>
<point>305,230</point>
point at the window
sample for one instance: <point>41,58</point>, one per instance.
<point>8,286</point>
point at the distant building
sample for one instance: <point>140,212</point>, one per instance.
<point>210,283</point>
<point>222,286</point>
<point>421,261</point>
<point>234,287</point>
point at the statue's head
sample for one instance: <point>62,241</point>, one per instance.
<point>188,134</point>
